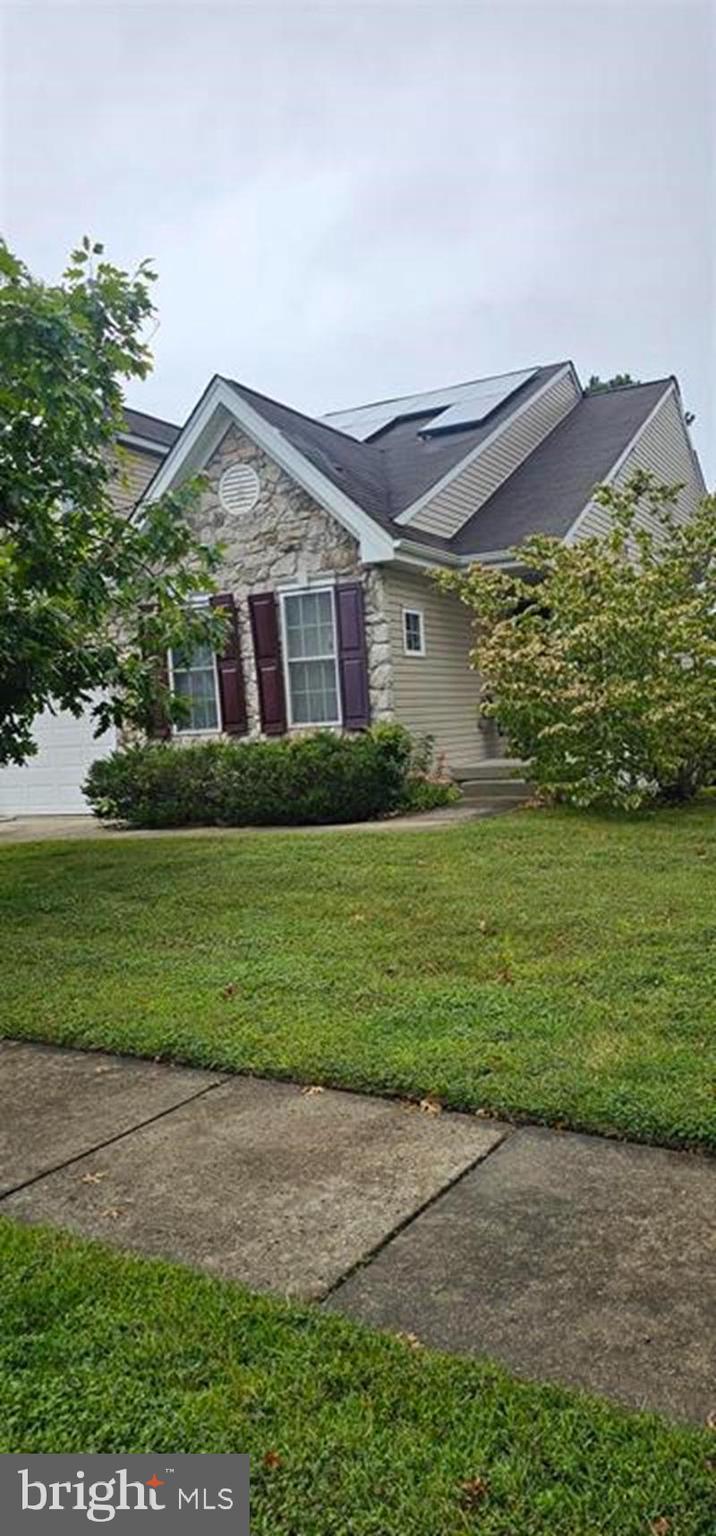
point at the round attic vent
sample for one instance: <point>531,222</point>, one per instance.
<point>239,488</point>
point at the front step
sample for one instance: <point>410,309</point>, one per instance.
<point>511,791</point>
<point>490,768</point>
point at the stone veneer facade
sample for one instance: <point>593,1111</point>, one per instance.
<point>287,538</point>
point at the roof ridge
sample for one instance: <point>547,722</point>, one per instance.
<point>460,384</point>
<point>316,421</point>
<point>618,389</point>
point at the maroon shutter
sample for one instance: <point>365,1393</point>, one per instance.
<point>160,726</point>
<point>269,672</point>
<point>231,678</point>
<point>352,662</point>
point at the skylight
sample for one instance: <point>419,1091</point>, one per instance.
<point>478,401</point>
<point>461,405</point>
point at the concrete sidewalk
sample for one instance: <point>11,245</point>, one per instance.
<point>568,1257</point>
<point>38,829</point>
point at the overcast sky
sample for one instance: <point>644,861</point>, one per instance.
<point>351,201</point>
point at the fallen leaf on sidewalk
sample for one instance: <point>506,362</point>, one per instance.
<point>92,1178</point>
<point>430,1107</point>
<point>311,1089</point>
<point>102,1069</point>
<point>711,1419</point>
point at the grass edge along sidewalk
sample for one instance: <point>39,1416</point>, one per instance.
<point>351,1433</point>
<point>544,966</point>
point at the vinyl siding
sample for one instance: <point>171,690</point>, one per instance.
<point>436,694</point>
<point>450,508</point>
<point>135,469</point>
<point>665,449</point>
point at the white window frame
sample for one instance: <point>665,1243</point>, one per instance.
<point>190,730</point>
<point>410,650</point>
<point>309,591</point>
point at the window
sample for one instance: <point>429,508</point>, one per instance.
<point>309,629</point>
<point>413,632</point>
<point>193,678</point>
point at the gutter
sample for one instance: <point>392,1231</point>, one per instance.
<point>413,553</point>
<point>145,444</point>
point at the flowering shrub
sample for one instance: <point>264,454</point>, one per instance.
<point>599,660</point>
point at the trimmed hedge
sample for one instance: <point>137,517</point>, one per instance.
<point>300,780</point>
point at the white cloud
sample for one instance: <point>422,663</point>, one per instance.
<point>350,202</point>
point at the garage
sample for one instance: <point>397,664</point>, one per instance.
<point>49,784</point>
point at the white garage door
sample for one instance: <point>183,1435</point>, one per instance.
<point>49,783</point>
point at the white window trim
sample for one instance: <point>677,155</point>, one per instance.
<point>407,650</point>
<point>311,590</point>
<point>188,730</point>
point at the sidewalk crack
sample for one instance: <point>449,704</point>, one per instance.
<point>369,1257</point>
<point>99,1146</point>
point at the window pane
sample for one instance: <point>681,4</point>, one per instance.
<point>309,624</point>
<point>314,700</point>
<point>190,661</point>
<point>413,631</point>
<point>199,690</point>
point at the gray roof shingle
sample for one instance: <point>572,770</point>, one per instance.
<point>397,466</point>
<point>153,428</point>
<point>555,483</point>
<point>387,474</point>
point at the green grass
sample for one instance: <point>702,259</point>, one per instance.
<point>350,1433</point>
<point>547,965</point>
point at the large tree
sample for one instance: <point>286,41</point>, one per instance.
<point>91,597</point>
<point>599,658</point>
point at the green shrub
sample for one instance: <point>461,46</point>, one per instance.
<point>426,794</point>
<point>301,780</point>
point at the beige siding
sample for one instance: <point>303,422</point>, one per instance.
<point>135,469</point>
<point>451,507</point>
<point>664,448</point>
<point>436,694</point>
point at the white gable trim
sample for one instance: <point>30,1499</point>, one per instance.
<point>417,506</point>
<point>221,405</point>
<point>608,479</point>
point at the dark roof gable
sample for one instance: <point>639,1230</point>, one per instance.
<point>152,428</point>
<point>555,483</point>
<point>395,468</point>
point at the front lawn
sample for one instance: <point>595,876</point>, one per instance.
<point>350,1433</point>
<point>548,965</point>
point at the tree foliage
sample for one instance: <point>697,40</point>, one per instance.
<point>599,657</point>
<point>597,386</point>
<point>90,597</point>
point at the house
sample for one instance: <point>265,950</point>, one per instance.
<point>332,528</point>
